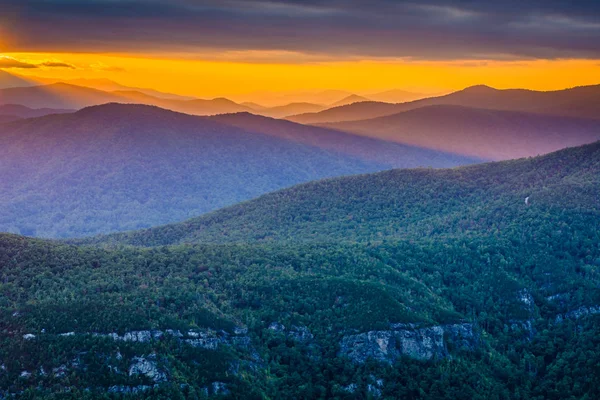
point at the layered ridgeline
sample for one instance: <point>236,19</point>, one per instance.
<point>120,167</point>
<point>80,93</point>
<point>579,102</point>
<point>473,283</point>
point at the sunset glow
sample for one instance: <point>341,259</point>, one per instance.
<point>213,78</point>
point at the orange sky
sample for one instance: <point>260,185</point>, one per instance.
<point>236,74</point>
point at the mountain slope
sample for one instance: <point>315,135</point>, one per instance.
<point>117,167</point>
<point>580,102</point>
<point>421,203</point>
<point>424,284</point>
<point>26,112</point>
<point>373,150</point>
<point>489,134</point>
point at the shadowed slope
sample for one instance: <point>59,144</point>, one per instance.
<point>116,167</point>
<point>381,151</point>
<point>489,134</point>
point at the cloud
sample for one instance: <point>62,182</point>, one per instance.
<point>426,29</point>
<point>9,62</point>
<point>56,64</point>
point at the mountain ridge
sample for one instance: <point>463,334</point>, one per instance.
<point>579,101</point>
<point>485,133</point>
<point>118,166</point>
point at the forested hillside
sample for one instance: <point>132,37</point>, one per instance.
<point>118,167</point>
<point>478,282</point>
<point>487,199</point>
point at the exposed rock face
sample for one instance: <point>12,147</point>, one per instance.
<point>300,334</point>
<point>581,312</point>
<point>205,338</point>
<point>296,332</point>
<point>525,297</point>
<point>407,340</point>
<point>147,366</point>
<point>373,390</point>
<point>558,298</point>
<point>351,388</point>
<point>219,388</point>
<point>129,389</point>
<point>277,327</point>
<point>525,326</point>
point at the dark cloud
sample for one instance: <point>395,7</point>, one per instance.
<point>7,62</point>
<point>10,62</point>
<point>428,29</point>
<point>53,64</point>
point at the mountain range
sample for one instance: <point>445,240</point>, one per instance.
<point>581,102</point>
<point>484,133</point>
<point>72,94</point>
<point>69,95</point>
<point>117,167</point>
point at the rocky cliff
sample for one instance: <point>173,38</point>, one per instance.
<point>422,343</point>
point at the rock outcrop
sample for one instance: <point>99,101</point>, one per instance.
<point>578,313</point>
<point>147,366</point>
<point>298,333</point>
<point>205,338</point>
<point>422,343</point>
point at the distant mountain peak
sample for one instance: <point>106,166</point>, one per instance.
<point>480,89</point>
<point>122,107</point>
<point>223,100</point>
<point>353,98</point>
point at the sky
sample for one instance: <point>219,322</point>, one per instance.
<point>233,47</point>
